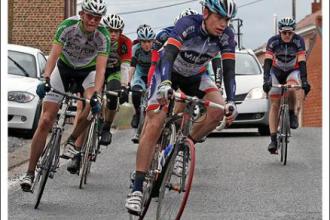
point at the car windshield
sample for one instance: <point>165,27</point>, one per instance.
<point>22,64</point>
<point>246,65</point>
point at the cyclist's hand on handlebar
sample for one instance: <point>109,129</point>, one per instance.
<point>95,103</point>
<point>231,112</point>
<point>267,86</point>
<point>43,88</point>
<point>123,95</point>
<point>305,86</point>
<point>164,92</point>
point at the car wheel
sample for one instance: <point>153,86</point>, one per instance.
<point>264,130</point>
<point>30,132</point>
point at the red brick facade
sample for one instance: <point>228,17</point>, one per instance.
<point>33,22</point>
<point>312,110</point>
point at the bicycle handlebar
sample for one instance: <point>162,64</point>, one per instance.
<point>70,96</point>
<point>287,86</point>
<point>181,96</point>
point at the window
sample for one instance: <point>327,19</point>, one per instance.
<point>23,64</point>
<point>42,63</point>
<point>246,65</point>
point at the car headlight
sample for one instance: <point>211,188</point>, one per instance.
<point>256,93</point>
<point>21,97</point>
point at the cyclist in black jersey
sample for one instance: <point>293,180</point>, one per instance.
<point>285,63</point>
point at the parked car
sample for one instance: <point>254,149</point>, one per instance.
<point>252,104</point>
<point>25,68</point>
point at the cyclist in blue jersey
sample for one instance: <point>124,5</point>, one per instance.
<point>285,62</point>
<point>79,54</point>
<point>194,41</point>
<point>141,61</point>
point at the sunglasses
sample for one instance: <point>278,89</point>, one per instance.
<point>91,17</point>
<point>146,41</point>
<point>287,33</point>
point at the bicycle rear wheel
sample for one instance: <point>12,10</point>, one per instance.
<point>46,164</point>
<point>174,190</point>
<point>86,160</point>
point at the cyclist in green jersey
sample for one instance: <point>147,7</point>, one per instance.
<point>79,54</point>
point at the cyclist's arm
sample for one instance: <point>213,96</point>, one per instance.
<point>167,57</point>
<point>101,63</point>
<point>229,77</point>
<point>125,62</point>
<point>217,70</point>
<point>268,61</point>
<point>52,59</point>
<point>131,73</point>
<point>301,59</point>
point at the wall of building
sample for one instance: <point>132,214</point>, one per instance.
<point>312,110</point>
<point>34,22</point>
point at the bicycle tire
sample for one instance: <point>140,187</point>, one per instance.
<point>174,209</point>
<point>47,164</point>
<point>286,127</point>
<point>142,114</point>
<point>86,159</point>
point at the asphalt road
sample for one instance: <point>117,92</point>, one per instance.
<point>235,178</point>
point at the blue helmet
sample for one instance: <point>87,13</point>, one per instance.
<point>225,8</point>
<point>145,32</point>
<point>287,23</point>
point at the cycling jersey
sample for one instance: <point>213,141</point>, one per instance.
<point>196,49</point>
<point>120,51</point>
<point>285,54</point>
<point>142,59</point>
<point>80,48</point>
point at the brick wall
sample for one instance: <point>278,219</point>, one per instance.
<point>312,111</point>
<point>33,22</point>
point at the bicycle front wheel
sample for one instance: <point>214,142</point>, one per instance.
<point>175,189</point>
<point>88,150</point>
<point>285,137</point>
<point>46,164</point>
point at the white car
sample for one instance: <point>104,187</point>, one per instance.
<point>25,68</point>
<point>251,101</point>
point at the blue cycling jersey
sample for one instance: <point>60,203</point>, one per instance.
<point>196,49</point>
<point>285,54</point>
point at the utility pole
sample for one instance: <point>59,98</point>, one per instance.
<point>294,9</point>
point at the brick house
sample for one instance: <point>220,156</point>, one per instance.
<point>33,23</point>
<point>310,28</point>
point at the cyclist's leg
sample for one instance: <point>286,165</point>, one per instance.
<point>293,79</point>
<point>274,96</point>
<point>153,125</point>
<point>112,84</point>
<point>82,122</point>
<point>50,107</point>
<point>137,84</point>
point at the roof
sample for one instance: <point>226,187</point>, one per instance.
<point>309,20</point>
<point>24,49</point>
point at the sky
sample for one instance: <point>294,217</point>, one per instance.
<point>257,18</point>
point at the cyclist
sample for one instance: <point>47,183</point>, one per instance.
<point>285,62</point>
<point>140,65</point>
<point>117,70</point>
<point>194,41</point>
<point>116,77</point>
<point>79,53</point>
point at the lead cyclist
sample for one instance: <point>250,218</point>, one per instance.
<point>194,41</point>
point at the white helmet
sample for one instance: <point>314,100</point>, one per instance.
<point>95,7</point>
<point>287,23</point>
<point>113,21</point>
<point>145,32</point>
<point>187,11</point>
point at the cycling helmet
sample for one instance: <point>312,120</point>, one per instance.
<point>287,23</point>
<point>225,8</point>
<point>95,7</point>
<point>185,12</point>
<point>145,32</point>
<point>113,21</point>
